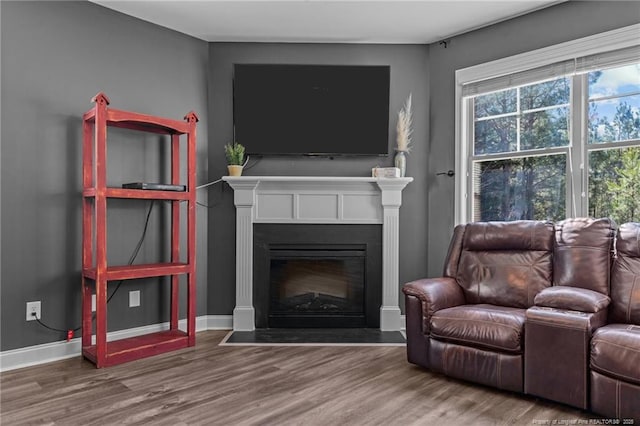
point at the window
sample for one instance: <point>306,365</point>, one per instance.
<point>614,143</point>
<point>512,179</point>
<point>552,141</point>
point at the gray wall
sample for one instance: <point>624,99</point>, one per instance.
<point>557,24</point>
<point>409,74</point>
<point>55,57</point>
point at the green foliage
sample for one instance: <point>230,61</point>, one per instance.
<point>626,189</point>
<point>234,153</point>
<point>522,188</point>
<point>614,174</point>
<point>614,184</point>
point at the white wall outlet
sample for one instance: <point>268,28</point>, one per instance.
<point>33,308</point>
<point>93,303</point>
<point>134,298</point>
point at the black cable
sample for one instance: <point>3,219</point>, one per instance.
<point>131,260</point>
<point>46,326</point>
<point>136,250</point>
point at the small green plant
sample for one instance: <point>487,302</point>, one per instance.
<point>234,153</point>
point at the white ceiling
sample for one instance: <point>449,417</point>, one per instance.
<point>319,21</point>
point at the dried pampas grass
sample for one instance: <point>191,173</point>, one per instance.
<point>403,129</point>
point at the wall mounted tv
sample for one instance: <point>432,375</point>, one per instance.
<point>325,110</point>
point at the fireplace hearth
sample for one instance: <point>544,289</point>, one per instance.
<point>325,276</point>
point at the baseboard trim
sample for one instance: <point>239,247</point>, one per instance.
<point>219,322</point>
<point>55,351</point>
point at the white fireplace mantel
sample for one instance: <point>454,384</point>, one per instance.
<point>317,199</point>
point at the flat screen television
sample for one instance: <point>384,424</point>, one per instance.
<point>324,110</point>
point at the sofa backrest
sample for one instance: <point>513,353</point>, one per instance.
<point>501,263</point>
<point>582,253</point>
<point>625,276</point>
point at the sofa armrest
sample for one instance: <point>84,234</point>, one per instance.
<point>435,294</point>
<point>423,298</point>
<point>572,299</point>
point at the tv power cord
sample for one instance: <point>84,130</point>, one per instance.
<point>71,332</point>
<point>244,167</point>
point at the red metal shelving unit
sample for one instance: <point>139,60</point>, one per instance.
<point>94,241</point>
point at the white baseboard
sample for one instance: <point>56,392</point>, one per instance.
<point>219,322</point>
<point>54,351</point>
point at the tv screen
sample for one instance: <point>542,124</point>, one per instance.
<point>312,109</point>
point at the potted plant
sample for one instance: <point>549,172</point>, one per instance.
<point>235,158</point>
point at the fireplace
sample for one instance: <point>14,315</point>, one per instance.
<point>347,202</point>
<point>317,275</point>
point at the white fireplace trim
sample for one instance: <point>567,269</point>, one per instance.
<point>317,199</point>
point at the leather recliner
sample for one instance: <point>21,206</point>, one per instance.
<point>469,324</point>
<point>615,348</point>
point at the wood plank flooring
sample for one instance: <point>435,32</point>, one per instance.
<point>270,385</point>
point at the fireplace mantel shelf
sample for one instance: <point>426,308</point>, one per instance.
<point>345,179</point>
<point>316,199</point>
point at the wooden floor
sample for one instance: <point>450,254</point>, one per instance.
<point>230,385</point>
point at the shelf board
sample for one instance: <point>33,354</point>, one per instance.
<point>132,348</point>
<point>139,194</point>
<point>147,270</point>
<point>140,122</point>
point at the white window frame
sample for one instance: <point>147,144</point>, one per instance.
<point>604,42</point>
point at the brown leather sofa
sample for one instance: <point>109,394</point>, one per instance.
<point>615,348</point>
<point>552,280</point>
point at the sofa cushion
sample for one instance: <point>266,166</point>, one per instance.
<point>582,253</point>
<point>505,263</point>
<point>625,278</point>
<point>615,351</point>
<point>628,241</point>
<point>486,326</point>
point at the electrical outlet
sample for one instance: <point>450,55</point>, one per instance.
<point>134,298</point>
<point>33,308</point>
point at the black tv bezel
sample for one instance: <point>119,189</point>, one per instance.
<point>330,155</point>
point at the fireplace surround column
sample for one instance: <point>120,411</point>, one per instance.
<point>244,199</point>
<point>317,200</point>
<point>391,201</point>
